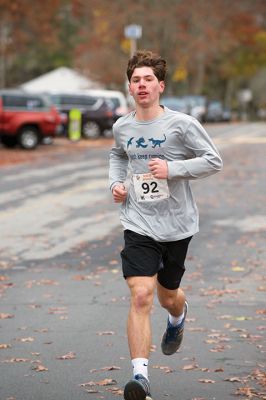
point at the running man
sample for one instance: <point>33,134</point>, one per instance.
<point>156,153</point>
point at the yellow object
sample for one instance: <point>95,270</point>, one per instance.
<point>74,124</point>
<point>180,74</point>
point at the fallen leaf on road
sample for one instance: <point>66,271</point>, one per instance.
<point>238,269</point>
<point>261,289</point>
<point>261,328</point>
<point>113,262</point>
<point>47,282</point>
<point>116,390</point>
<point>106,333</point>
<point>4,346</point>
<point>106,382</point>
<point>238,318</point>
<point>25,340</point>
<point>199,329</point>
<point>57,310</point>
<point>112,368</point>
<point>246,391</point>
<point>83,277</point>
<point>211,341</point>
<point>33,306</point>
<point>199,398</point>
<point>220,292</point>
<point>69,356</point>
<point>6,316</point>
<point>219,348</point>
<point>91,383</point>
<point>40,368</point>
<point>261,312</point>
<point>190,367</point>
<point>166,369</point>
<point>16,360</point>
<point>234,379</point>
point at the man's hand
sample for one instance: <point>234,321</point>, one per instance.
<point>119,193</point>
<point>158,168</point>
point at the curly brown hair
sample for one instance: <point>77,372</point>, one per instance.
<point>146,58</point>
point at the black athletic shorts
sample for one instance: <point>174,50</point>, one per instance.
<point>143,256</point>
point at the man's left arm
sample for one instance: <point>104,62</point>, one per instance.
<point>206,160</point>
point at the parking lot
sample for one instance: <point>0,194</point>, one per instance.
<point>63,297</point>
<point>60,146</point>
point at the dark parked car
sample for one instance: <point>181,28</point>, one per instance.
<point>26,119</point>
<point>115,99</point>
<point>197,106</point>
<point>97,115</point>
<point>216,112</point>
<point>175,104</point>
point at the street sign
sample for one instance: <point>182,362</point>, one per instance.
<point>133,31</point>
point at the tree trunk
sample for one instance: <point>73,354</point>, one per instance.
<point>198,81</point>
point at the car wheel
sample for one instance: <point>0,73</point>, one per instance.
<point>91,130</point>
<point>9,141</point>
<point>108,133</point>
<point>47,140</point>
<point>28,138</point>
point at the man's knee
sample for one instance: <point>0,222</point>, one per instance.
<point>141,293</point>
<point>142,297</point>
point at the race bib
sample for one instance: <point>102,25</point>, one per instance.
<point>148,188</point>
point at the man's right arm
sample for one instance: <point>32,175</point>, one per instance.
<point>118,164</point>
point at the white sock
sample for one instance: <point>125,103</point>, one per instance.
<point>175,321</point>
<point>140,366</point>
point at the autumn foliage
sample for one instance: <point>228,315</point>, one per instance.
<point>206,43</point>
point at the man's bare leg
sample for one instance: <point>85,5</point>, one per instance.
<point>139,335</point>
<point>172,300</point>
<point>138,327</point>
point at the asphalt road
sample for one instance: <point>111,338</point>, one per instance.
<point>64,303</point>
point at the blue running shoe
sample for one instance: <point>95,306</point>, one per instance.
<point>138,389</point>
<point>173,336</point>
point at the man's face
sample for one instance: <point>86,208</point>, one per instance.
<point>145,87</point>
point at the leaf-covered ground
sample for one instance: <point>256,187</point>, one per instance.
<point>62,321</point>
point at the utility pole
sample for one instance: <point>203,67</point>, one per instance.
<point>4,39</point>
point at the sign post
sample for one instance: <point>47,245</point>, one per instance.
<point>133,32</point>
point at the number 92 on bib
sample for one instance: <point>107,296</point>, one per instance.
<point>148,188</point>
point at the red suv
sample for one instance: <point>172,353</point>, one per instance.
<point>26,119</point>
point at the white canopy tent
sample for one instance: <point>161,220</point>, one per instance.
<point>62,80</point>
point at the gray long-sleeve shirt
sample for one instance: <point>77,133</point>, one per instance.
<point>190,154</point>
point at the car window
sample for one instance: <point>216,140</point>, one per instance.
<point>195,100</point>
<point>115,101</point>
<point>215,105</point>
<point>23,102</point>
<point>74,100</point>
<point>174,103</point>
